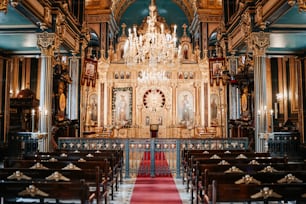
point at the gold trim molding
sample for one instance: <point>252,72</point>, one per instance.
<point>300,3</point>
<point>3,6</point>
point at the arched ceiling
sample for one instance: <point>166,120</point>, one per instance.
<point>139,7</point>
<point>138,10</point>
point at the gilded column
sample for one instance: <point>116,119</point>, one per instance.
<point>109,109</point>
<point>134,122</point>
<point>197,104</point>
<point>81,100</point>
<point>46,42</point>
<point>173,85</point>
<point>260,42</point>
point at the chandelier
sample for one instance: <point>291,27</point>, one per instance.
<point>153,45</point>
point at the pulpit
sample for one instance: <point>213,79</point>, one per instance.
<point>154,130</point>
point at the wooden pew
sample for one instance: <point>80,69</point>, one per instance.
<point>115,157</point>
<point>93,178</point>
<point>256,177</point>
<point>192,156</point>
<point>200,164</point>
<point>255,192</point>
<point>103,165</point>
<point>44,191</point>
<point>262,172</point>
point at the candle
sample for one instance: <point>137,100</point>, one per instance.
<point>33,119</point>
<point>275,110</point>
<point>272,125</point>
<point>39,119</point>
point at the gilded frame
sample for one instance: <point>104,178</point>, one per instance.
<point>215,69</point>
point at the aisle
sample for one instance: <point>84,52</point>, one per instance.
<point>155,190</point>
<point>158,189</point>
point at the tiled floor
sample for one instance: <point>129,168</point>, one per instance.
<point>124,194</point>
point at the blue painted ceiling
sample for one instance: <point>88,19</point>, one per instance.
<point>137,11</point>
<point>18,32</point>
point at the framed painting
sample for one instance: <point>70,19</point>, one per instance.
<point>122,107</point>
<point>214,103</point>
<point>89,73</point>
<point>93,104</point>
<point>215,69</point>
<point>185,108</point>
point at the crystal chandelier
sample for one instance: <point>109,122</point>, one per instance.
<point>152,46</point>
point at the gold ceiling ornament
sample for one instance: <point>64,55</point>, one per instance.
<point>3,6</point>
<point>300,3</point>
<point>153,45</point>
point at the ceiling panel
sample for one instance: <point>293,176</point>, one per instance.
<point>137,11</point>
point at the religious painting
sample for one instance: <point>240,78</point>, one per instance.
<point>216,68</point>
<point>244,104</point>
<point>93,108</point>
<point>89,73</point>
<point>233,65</point>
<point>147,120</point>
<point>122,107</point>
<point>185,108</point>
<point>214,104</point>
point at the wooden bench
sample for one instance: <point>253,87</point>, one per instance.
<point>255,192</point>
<point>200,164</point>
<point>115,157</point>
<point>192,156</point>
<point>94,178</point>
<point>44,191</point>
<point>265,173</point>
<point>257,178</point>
<point>104,166</point>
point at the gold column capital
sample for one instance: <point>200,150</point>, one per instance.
<point>47,43</point>
<point>260,41</point>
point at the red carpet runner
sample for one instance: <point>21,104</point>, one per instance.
<point>160,189</point>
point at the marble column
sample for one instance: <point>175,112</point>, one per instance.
<point>260,42</point>
<point>46,43</point>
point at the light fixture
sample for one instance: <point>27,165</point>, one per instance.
<point>153,46</point>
